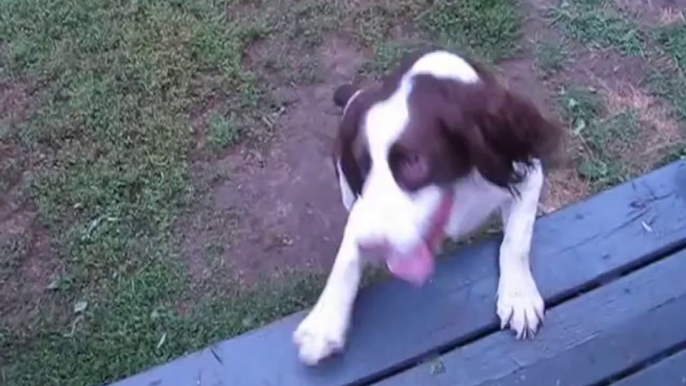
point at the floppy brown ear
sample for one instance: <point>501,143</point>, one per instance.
<point>343,93</point>
<point>495,128</point>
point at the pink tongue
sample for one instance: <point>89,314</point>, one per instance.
<point>415,267</point>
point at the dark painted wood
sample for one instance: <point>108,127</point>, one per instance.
<point>587,340</point>
<point>395,324</point>
<point>668,372</point>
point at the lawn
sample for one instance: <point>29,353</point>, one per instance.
<point>161,162</point>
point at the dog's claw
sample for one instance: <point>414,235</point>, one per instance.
<point>520,306</point>
<point>504,321</point>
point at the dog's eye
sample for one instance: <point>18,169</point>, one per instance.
<point>410,169</point>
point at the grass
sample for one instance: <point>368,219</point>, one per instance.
<point>671,84</point>
<point>223,132</point>
<point>604,136</point>
<point>608,137</point>
<point>118,80</point>
<point>550,57</point>
<point>488,30</point>
<point>596,24</point>
<point>672,39</point>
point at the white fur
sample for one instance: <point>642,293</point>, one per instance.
<point>384,210</point>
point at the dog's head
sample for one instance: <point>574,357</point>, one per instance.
<point>402,146</point>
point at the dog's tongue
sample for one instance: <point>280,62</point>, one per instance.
<point>415,267</point>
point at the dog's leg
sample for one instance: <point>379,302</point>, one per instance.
<point>519,303</point>
<point>323,331</point>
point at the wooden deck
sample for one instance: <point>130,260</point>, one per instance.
<point>612,270</point>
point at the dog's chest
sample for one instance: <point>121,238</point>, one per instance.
<point>475,201</point>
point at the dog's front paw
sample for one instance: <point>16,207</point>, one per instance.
<point>520,305</point>
<point>320,335</point>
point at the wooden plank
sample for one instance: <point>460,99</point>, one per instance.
<point>669,372</point>
<point>395,324</point>
<point>587,340</point>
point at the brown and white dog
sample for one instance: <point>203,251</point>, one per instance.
<point>432,152</point>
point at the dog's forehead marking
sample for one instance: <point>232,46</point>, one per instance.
<point>386,119</point>
<point>443,64</point>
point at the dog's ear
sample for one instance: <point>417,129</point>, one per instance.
<point>342,94</point>
<point>492,129</point>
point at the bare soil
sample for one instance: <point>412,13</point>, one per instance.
<point>280,210</point>
<point>26,267</point>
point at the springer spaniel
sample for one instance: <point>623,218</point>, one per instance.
<point>431,153</point>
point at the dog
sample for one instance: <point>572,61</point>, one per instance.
<point>429,154</point>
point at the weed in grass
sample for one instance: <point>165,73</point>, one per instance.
<point>12,250</point>
<point>597,25</point>
<point>10,172</point>
<point>582,106</point>
<point>549,56</point>
<point>675,153</point>
<point>672,88</point>
<point>605,139</point>
<point>223,132</point>
<point>601,173</point>
<point>671,84</point>
<point>672,39</point>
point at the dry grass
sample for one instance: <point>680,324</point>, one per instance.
<point>658,128</point>
<point>671,15</point>
<point>651,13</point>
<point>563,187</point>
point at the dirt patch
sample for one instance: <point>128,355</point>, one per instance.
<point>26,268</point>
<point>281,209</point>
<point>563,187</point>
<point>15,101</point>
<point>591,68</point>
<point>563,184</point>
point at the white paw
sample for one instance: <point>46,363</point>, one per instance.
<point>320,335</point>
<point>520,304</point>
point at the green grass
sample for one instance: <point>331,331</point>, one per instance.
<point>549,56</point>
<point>598,25</point>
<point>118,79</point>
<point>605,137</point>
<point>136,330</point>
<point>223,132</point>
<point>12,248</point>
<point>671,84</point>
<point>488,30</point>
<point>672,39</point>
